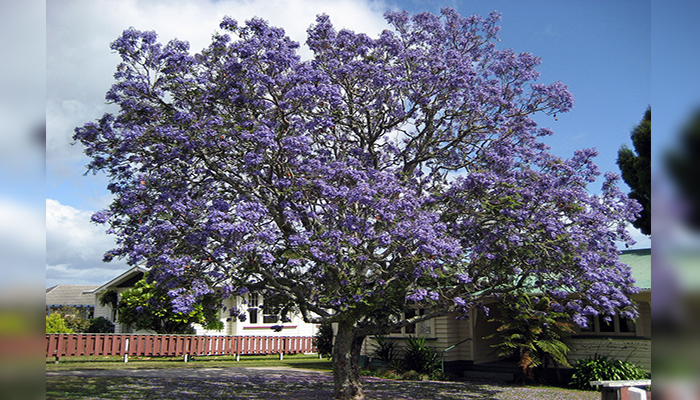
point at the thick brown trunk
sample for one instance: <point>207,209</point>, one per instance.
<point>346,363</point>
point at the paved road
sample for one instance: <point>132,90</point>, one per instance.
<point>201,373</point>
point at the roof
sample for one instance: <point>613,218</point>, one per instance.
<point>640,263</point>
<point>125,279</point>
<point>70,295</point>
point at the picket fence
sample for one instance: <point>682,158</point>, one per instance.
<point>66,345</point>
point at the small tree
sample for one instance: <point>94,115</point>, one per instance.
<point>323,340</point>
<point>532,329</point>
<point>146,306</point>
<point>56,324</point>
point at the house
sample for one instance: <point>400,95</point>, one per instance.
<point>463,346</point>
<point>62,296</point>
<point>256,323</point>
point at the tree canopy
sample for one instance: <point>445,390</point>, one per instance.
<point>382,174</point>
<point>636,170</point>
<point>147,306</point>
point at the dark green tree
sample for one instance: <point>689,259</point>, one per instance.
<point>684,168</point>
<point>636,170</point>
<point>146,306</point>
<point>323,340</point>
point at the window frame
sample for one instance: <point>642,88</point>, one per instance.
<point>413,329</point>
<point>595,327</point>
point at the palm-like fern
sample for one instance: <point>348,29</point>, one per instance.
<point>533,331</point>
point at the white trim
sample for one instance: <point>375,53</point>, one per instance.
<point>119,279</point>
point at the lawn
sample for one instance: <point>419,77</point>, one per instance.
<point>115,362</point>
<point>196,380</point>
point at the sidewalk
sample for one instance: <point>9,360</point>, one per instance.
<point>199,373</point>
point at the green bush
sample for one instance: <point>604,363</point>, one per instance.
<point>76,318</point>
<point>386,350</point>
<point>100,325</point>
<point>421,358</point>
<point>323,340</point>
<point>604,368</point>
<point>56,324</point>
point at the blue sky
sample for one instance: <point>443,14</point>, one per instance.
<point>600,49</point>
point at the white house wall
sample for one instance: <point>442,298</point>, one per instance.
<point>233,327</point>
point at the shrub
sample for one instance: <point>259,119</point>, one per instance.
<point>412,376</point>
<point>604,368</point>
<point>100,325</point>
<point>76,318</point>
<point>386,350</point>
<point>421,358</point>
<point>56,324</point>
<point>323,340</point>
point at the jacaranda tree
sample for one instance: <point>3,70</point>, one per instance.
<point>381,174</point>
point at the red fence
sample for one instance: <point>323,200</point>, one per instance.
<point>81,344</point>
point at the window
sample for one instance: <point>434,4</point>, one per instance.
<point>253,300</point>
<point>424,328</point>
<point>617,326</point>
<point>253,315</point>
<point>270,319</point>
<point>253,308</point>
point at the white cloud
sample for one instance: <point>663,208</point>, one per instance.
<point>643,241</point>
<point>80,65</point>
<point>74,247</point>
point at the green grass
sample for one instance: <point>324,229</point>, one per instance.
<point>307,361</point>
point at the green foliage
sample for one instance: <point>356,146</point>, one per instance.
<point>100,325</point>
<point>56,324</point>
<point>636,170</point>
<point>146,306</point>
<point>74,317</point>
<point>532,331</point>
<point>323,340</point>
<point>604,368</point>
<point>109,298</point>
<point>421,358</point>
<point>386,351</point>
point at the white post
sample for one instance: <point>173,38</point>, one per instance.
<point>126,350</point>
<point>238,356</point>
<point>281,356</point>
<point>185,357</point>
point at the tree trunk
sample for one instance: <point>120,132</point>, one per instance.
<point>346,363</point>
